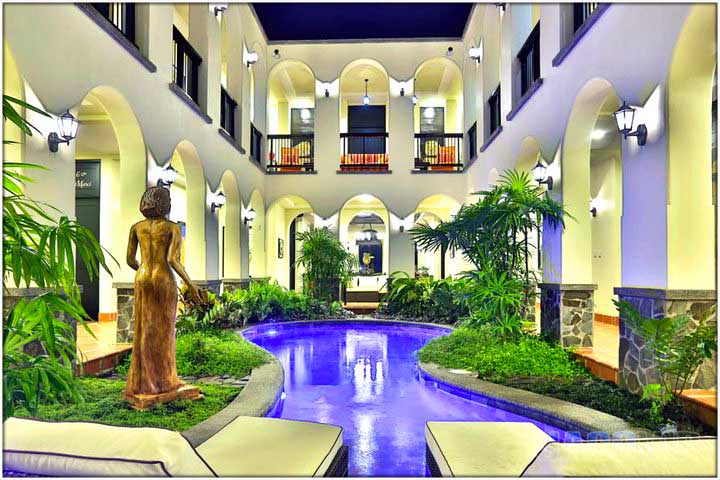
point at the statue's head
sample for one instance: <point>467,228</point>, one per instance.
<point>155,202</point>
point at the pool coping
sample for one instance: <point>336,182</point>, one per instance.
<point>256,399</point>
<point>558,413</point>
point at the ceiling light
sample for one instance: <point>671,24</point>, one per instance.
<point>366,98</point>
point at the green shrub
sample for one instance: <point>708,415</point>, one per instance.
<point>497,360</point>
<point>326,262</point>
<point>217,354</point>
<point>443,301</point>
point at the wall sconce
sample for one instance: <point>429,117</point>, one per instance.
<point>217,201</point>
<point>251,58</point>
<point>327,86</point>
<point>501,8</point>
<point>249,217</point>
<point>593,207</point>
<point>624,117</point>
<point>167,176</point>
<point>449,52</point>
<point>68,126</point>
<point>218,8</point>
<point>414,99</point>
<point>476,53</point>
<point>541,176</point>
<point>276,53</point>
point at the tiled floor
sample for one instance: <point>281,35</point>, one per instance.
<point>103,345</point>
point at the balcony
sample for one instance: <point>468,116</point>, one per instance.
<point>291,153</point>
<point>438,152</point>
<point>364,152</point>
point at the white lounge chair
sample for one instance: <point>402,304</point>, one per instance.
<point>247,446</point>
<point>482,449</point>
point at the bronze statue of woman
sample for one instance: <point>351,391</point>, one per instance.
<point>153,373</point>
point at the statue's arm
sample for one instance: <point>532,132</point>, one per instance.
<point>174,259</point>
<point>132,249</point>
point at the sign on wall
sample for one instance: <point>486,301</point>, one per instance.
<point>87,179</point>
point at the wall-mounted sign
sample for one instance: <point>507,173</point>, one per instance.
<point>87,179</point>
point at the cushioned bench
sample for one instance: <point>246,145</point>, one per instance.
<point>505,449</point>
<point>247,446</point>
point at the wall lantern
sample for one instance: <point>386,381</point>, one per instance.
<point>501,8</point>
<point>276,53</point>
<point>250,217</point>
<point>402,91</point>
<point>541,176</point>
<point>624,117</point>
<point>476,53</point>
<point>366,98</point>
<point>251,58</point>
<point>167,176</point>
<point>414,99</point>
<point>217,202</point>
<point>218,8</point>
<point>327,86</point>
<point>593,207</point>
<point>68,126</point>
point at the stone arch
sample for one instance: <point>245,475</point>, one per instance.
<point>357,206</point>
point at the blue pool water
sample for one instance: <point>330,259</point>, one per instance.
<point>364,377</point>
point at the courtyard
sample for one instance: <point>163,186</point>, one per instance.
<point>236,244</point>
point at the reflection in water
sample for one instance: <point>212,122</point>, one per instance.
<point>363,377</point>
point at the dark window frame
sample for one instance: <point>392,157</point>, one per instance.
<point>121,16</point>
<point>185,57</point>
<point>529,58</point>
<point>255,144</point>
<point>228,106</point>
<point>472,141</point>
<point>495,111</point>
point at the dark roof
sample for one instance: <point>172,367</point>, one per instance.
<point>350,21</point>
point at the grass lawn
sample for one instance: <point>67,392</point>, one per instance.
<point>103,403</point>
<point>533,365</point>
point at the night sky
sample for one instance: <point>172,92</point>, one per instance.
<point>342,21</point>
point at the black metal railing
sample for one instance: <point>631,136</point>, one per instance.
<point>122,15</point>
<point>291,153</point>
<point>529,58</point>
<point>438,151</point>
<point>227,112</point>
<point>364,151</point>
<point>581,12</point>
<point>186,65</point>
<point>494,111</point>
<point>472,142</point>
<point>255,144</point>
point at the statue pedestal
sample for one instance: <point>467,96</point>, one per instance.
<point>184,392</point>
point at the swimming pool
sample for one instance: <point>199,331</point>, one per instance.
<point>364,377</point>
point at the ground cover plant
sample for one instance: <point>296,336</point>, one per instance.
<point>531,364</point>
<point>103,403</point>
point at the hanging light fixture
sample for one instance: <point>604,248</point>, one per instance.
<point>67,126</point>
<point>366,98</point>
<point>541,176</point>
<point>624,117</point>
<point>167,176</point>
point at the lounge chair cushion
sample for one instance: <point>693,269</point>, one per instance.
<point>70,449</point>
<point>485,449</point>
<point>688,457</point>
<point>270,447</point>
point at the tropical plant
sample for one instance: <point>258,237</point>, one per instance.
<point>497,299</point>
<point>424,298</point>
<point>327,264</point>
<point>40,249</point>
<point>677,349</point>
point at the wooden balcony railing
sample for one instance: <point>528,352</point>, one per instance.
<point>255,144</point>
<point>438,151</point>
<point>291,153</point>
<point>364,151</point>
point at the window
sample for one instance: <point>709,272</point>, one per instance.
<point>302,121</point>
<point>255,144</point>
<point>494,106</point>
<point>122,15</point>
<point>472,141</point>
<point>581,12</point>
<point>186,65</point>
<point>227,112</point>
<point>529,57</point>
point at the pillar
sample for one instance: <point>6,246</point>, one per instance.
<point>566,313</point>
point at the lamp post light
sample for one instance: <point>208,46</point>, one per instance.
<point>541,176</point>
<point>217,202</point>
<point>624,117</point>
<point>167,177</point>
<point>68,126</point>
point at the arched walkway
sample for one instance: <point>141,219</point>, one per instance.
<point>229,218</point>
<point>286,215</point>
